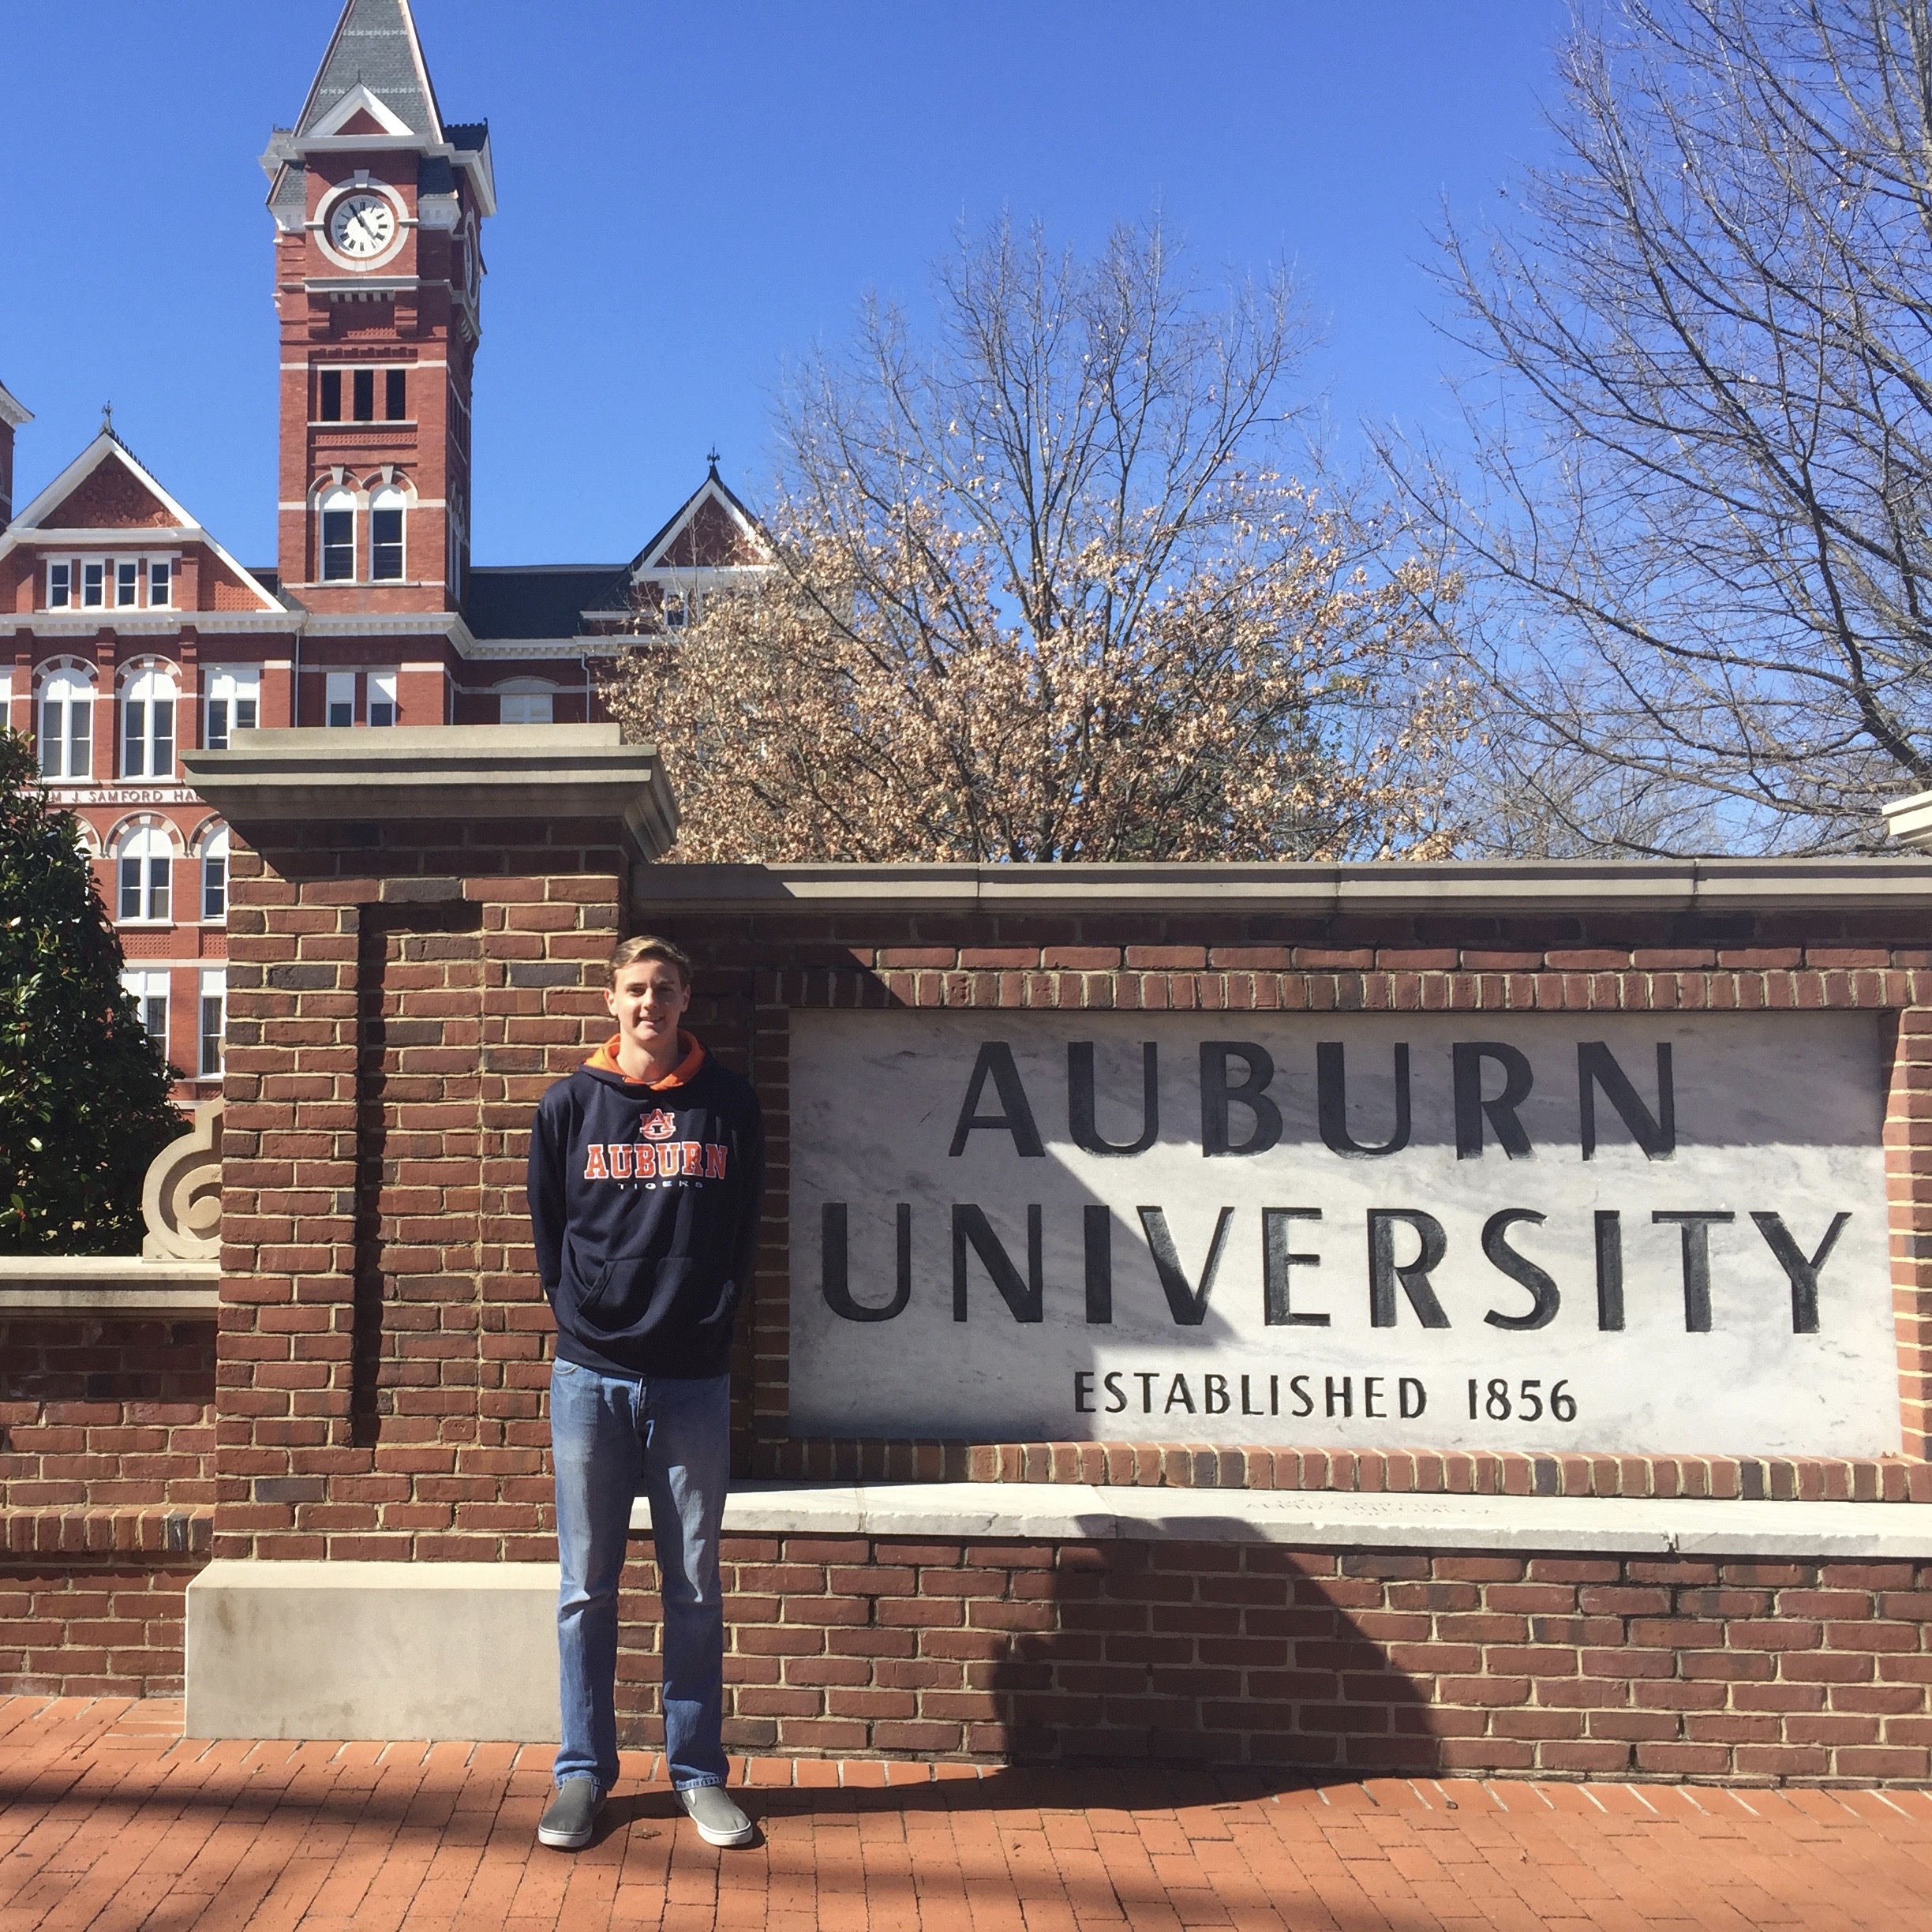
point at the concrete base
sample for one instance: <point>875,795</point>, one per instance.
<point>434,1650</point>
<point>368,1650</point>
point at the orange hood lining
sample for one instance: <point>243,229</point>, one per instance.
<point>605,1061</point>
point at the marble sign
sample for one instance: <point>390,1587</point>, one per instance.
<point>1617,1232</point>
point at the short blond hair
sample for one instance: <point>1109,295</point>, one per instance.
<point>628,951</point>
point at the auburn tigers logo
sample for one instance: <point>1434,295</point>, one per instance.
<point>655,1160</point>
<point>658,1126</point>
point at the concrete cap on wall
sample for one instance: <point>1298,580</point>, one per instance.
<point>1909,820</point>
<point>1446,889</point>
<point>477,773</point>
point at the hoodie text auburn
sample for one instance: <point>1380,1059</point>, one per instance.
<point>644,1201</point>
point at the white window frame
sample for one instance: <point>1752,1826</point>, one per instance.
<point>67,688</point>
<point>526,700</point>
<point>148,850</point>
<point>146,752</point>
<point>214,876</point>
<point>214,992</point>
<point>338,692</point>
<point>382,693</point>
<point>338,501</point>
<point>227,689</point>
<point>98,583</point>
<point>390,500</point>
<point>150,990</point>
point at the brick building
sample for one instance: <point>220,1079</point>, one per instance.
<point>132,635</point>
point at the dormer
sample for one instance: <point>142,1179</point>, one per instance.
<point>711,544</point>
<point>105,544</point>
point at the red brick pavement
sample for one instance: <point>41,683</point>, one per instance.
<point>109,1818</point>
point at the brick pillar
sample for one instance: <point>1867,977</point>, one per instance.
<point>1908,1188</point>
<point>402,989</point>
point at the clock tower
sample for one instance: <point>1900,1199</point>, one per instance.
<point>379,204</point>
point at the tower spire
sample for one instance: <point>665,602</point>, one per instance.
<point>376,48</point>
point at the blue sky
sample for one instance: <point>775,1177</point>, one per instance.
<point>691,194</point>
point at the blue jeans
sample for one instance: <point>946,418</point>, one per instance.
<point>614,1438</point>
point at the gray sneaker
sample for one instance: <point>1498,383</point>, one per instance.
<point>719,1822</point>
<point>572,1816</point>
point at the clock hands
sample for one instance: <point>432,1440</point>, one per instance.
<point>363,226</point>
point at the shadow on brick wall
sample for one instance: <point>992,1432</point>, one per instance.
<point>1209,1653</point>
<point>1326,1664</point>
<point>1221,1652</point>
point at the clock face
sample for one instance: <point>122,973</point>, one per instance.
<point>361,225</point>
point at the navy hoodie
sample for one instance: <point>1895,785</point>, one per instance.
<point>644,1199</point>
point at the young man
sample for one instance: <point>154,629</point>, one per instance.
<point>646,1172</point>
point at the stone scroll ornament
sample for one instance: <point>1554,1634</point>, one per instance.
<point>182,1196</point>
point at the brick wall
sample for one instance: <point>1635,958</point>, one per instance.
<point>107,1432</point>
<point>94,1623</point>
<point>400,996</point>
<point>757,969</point>
<point>1365,1662</point>
<point>107,1494</point>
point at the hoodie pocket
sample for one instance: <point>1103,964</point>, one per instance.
<point>633,1292</point>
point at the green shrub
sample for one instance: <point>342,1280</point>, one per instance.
<point>84,1090</point>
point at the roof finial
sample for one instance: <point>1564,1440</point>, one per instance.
<point>712,459</point>
<point>108,418</point>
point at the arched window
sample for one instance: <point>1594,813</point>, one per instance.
<point>215,874</point>
<point>67,722</point>
<point>148,723</point>
<point>145,865</point>
<point>526,701</point>
<point>338,546</point>
<point>386,508</point>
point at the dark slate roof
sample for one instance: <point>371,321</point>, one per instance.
<point>375,47</point>
<point>270,581</point>
<point>291,187</point>
<point>468,136</point>
<point>434,175</point>
<point>535,600</point>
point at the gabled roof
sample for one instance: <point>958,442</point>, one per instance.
<point>13,413</point>
<point>711,530</point>
<point>375,47</point>
<point>105,492</point>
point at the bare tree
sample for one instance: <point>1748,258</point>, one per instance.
<point>1042,593</point>
<point>1697,554</point>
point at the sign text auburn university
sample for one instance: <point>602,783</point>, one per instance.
<point>1614,1232</point>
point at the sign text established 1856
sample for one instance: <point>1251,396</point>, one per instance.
<point>1616,1232</point>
